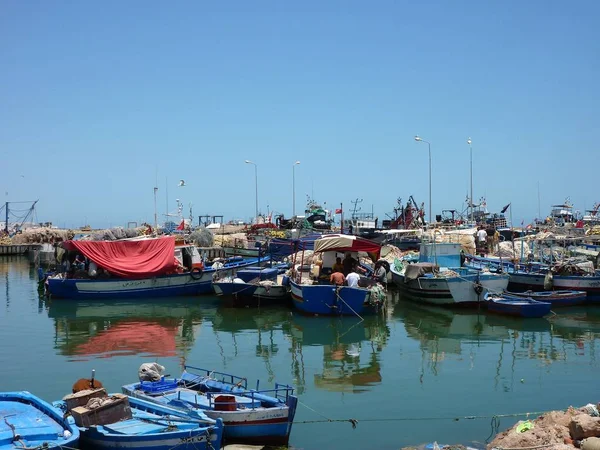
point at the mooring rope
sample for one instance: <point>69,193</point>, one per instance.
<point>493,417</point>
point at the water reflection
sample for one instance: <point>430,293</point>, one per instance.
<point>264,325</point>
<point>105,329</point>
<point>351,351</point>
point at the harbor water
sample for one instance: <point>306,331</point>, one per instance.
<point>404,375</point>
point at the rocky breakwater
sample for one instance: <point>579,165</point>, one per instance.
<point>556,430</point>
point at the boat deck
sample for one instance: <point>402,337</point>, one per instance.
<point>25,420</point>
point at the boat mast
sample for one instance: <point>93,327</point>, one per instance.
<point>6,222</point>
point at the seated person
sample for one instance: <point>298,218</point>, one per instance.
<point>338,266</point>
<point>352,278</point>
<point>337,278</point>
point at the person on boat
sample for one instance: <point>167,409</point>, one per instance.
<point>353,278</point>
<point>490,231</point>
<point>481,239</point>
<point>349,263</point>
<point>380,274</point>
<point>338,266</point>
<point>337,278</point>
<point>79,262</point>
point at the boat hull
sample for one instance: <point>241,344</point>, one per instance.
<point>329,300</point>
<point>192,283</point>
<point>154,427</point>
<point>246,294</point>
<point>519,307</point>
<point>251,426</point>
<point>37,422</point>
<point>555,298</point>
<point>451,290</point>
<point>591,285</point>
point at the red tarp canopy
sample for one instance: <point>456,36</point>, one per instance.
<point>132,259</point>
<point>347,243</point>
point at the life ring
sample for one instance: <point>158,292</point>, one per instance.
<point>196,273</point>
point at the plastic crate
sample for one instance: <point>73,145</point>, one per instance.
<point>153,387</point>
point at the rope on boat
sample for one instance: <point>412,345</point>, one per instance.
<point>344,302</point>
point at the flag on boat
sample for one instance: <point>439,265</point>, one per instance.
<point>181,226</point>
<point>504,209</point>
<point>338,211</point>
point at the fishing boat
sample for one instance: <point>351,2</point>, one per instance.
<point>28,422</point>
<point>141,269</point>
<point>438,278</point>
<point>555,298</point>
<point>261,416</point>
<point>151,426</point>
<point>316,295</point>
<point>565,276</point>
<point>254,287</point>
<point>514,306</point>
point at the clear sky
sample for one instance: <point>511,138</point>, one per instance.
<point>98,98</point>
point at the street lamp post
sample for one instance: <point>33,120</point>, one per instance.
<point>471,157</point>
<point>255,185</point>
<point>294,187</point>
<point>419,139</point>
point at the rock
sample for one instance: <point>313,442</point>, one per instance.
<point>550,430</point>
<point>583,426</point>
<point>591,443</point>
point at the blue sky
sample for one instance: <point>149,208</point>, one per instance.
<point>97,98</point>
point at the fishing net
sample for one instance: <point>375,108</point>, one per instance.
<point>202,237</point>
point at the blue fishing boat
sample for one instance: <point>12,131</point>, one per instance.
<point>555,298</point>
<point>153,427</point>
<point>28,422</point>
<point>141,269</point>
<point>260,416</point>
<point>316,294</point>
<point>519,307</point>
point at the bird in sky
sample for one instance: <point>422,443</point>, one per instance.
<point>181,183</point>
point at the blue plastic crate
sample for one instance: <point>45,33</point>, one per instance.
<point>158,386</point>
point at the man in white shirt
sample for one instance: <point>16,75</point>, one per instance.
<point>352,278</point>
<point>481,239</point>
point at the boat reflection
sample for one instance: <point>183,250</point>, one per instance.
<point>104,329</point>
<point>351,351</point>
<point>458,335</point>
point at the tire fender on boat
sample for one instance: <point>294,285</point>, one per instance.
<point>196,273</point>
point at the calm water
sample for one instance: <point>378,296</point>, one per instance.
<point>414,362</point>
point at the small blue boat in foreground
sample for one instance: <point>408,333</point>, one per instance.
<point>262,416</point>
<point>555,298</point>
<point>519,307</point>
<point>153,427</point>
<point>28,422</point>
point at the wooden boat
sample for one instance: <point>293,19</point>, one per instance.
<point>29,422</point>
<point>254,287</point>
<point>324,298</point>
<point>438,278</point>
<point>555,298</point>
<point>514,306</point>
<point>249,415</point>
<point>142,268</point>
<point>153,427</point>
